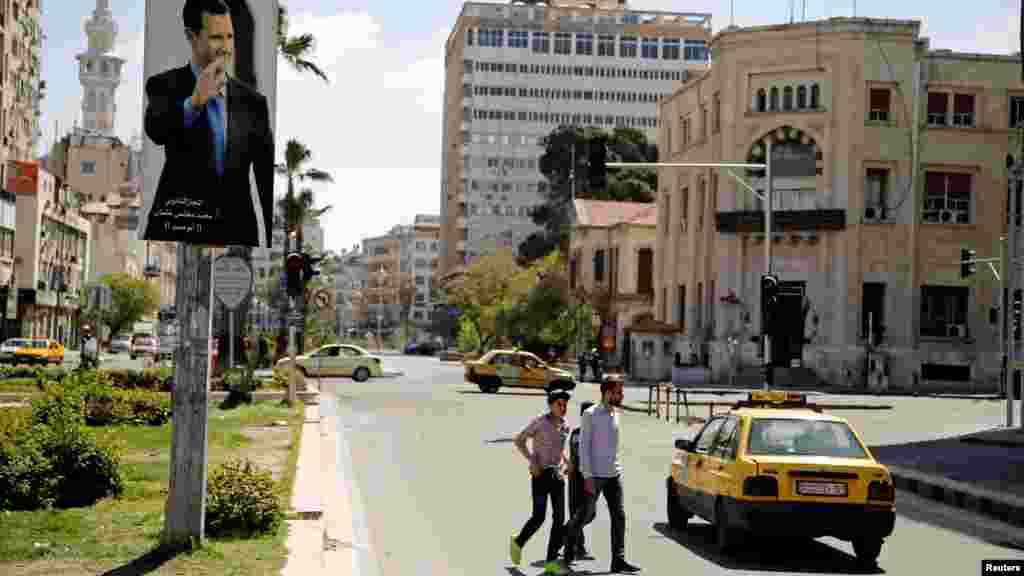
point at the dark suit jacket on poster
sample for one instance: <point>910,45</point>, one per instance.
<point>192,203</point>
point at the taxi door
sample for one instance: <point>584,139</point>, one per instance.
<point>507,369</point>
<point>327,361</point>
<point>722,473</point>
<point>347,361</point>
<point>534,373</point>
<point>697,465</point>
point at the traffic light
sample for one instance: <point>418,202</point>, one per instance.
<point>295,267</point>
<point>1018,305</point>
<point>968,266</point>
<point>310,268</point>
<point>597,168</point>
<point>769,299</point>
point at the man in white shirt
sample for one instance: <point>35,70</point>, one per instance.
<point>601,465</point>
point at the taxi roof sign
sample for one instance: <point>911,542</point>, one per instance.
<point>776,399</point>
<point>774,396</point>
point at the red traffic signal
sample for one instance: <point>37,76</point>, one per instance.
<point>295,265</point>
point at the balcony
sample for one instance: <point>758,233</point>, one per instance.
<point>461,223</point>
<point>460,197</point>
<point>465,126</point>
<point>793,210</point>
<point>460,246</point>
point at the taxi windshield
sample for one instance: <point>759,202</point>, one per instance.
<point>793,437</point>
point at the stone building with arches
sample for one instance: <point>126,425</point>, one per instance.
<point>908,147</point>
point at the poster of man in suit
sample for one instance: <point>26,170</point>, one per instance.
<point>217,137</point>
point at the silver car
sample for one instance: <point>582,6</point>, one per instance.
<point>121,344</point>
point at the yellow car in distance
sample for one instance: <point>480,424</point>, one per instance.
<point>336,360</point>
<point>775,466</point>
<point>32,351</point>
<point>515,369</point>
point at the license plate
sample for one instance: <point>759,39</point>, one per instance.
<point>821,488</point>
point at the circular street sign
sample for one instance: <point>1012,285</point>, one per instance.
<point>232,280</point>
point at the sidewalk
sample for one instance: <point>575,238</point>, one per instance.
<point>320,531</point>
<point>982,472</point>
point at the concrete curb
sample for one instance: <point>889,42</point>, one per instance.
<point>306,523</point>
<point>1000,506</point>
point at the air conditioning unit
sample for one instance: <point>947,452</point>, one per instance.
<point>956,330</point>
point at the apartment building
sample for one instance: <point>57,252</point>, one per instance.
<point>889,157</point>
<point>349,280</point>
<point>515,72</point>
<point>51,257</point>
<point>421,258</point>
<point>21,87</point>
<point>378,300</point>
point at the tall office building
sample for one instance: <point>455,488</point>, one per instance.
<point>515,72</point>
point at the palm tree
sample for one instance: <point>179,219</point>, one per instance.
<point>296,49</point>
<point>296,210</point>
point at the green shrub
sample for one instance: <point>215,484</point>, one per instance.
<point>86,471</point>
<point>49,459</point>
<point>242,500</point>
<point>60,404</point>
<point>142,407</point>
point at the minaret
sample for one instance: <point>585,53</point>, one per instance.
<point>99,71</point>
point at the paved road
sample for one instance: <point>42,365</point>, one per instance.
<point>439,490</point>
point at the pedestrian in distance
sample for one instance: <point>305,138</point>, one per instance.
<point>601,464</point>
<point>547,434</point>
<point>576,494</point>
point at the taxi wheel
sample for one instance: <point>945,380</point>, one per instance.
<point>867,550</point>
<point>489,386</point>
<point>725,535</point>
<point>677,515</point>
<point>361,374</point>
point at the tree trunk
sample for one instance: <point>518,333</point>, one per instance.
<point>301,332</point>
<point>281,350</point>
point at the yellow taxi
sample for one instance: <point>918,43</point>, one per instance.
<point>776,465</point>
<point>32,351</point>
<point>515,369</point>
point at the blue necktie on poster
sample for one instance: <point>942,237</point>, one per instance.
<point>216,116</point>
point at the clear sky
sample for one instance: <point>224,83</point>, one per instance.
<point>377,126</point>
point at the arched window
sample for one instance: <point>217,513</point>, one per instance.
<point>787,98</point>
<point>774,98</point>
<point>762,98</point>
<point>801,97</point>
<point>815,96</point>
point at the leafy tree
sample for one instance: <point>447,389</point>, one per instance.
<point>131,299</point>
<point>557,166</point>
<point>486,290</point>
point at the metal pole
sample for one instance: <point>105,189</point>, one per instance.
<point>231,339</point>
<point>1011,271</point>
<point>766,357</point>
<point>1004,371</point>
<point>293,371</point>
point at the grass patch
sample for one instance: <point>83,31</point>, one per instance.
<point>122,533</point>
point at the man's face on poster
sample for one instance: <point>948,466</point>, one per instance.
<point>215,40</point>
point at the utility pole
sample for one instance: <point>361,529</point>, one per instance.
<point>185,511</point>
<point>769,240</point>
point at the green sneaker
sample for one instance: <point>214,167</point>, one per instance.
<point>516,552</point>
<point>554,567</point>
